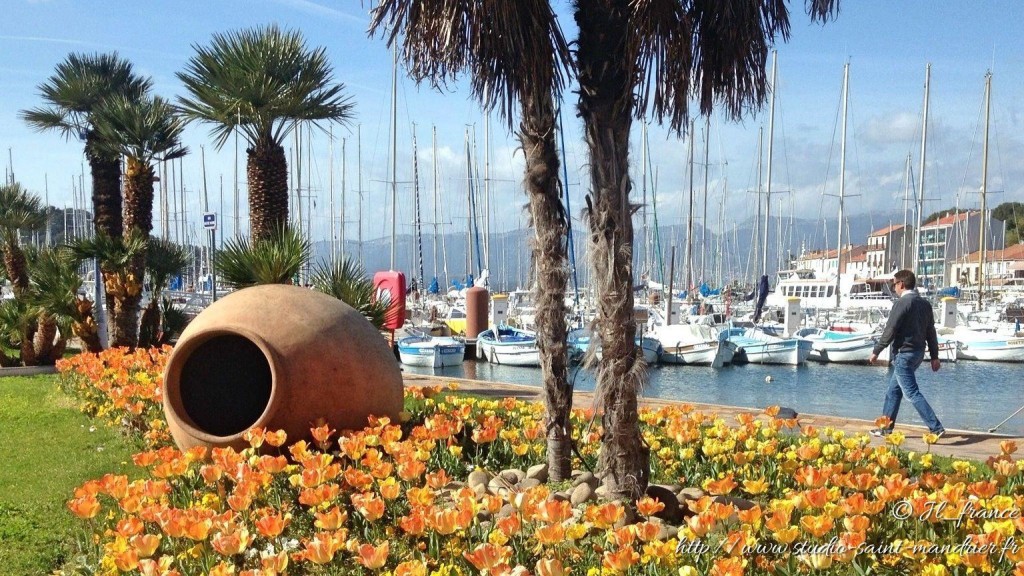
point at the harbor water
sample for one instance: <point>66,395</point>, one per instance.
<point>966,395</point>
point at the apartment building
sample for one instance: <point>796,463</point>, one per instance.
<point>889,249</point>
<point>949,238</point>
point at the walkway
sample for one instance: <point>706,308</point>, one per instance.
<point>956,443</point>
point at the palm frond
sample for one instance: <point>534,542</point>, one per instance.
<point>347,281</point>
<point>262,81</point>
<point>19,210</point>
<point>273,260</point>
<point>145,129</point>
<point>55,283</point>
<point>165,259</point>
<point>508,49</point>
<point>78,86</point>
<point>114,253</point>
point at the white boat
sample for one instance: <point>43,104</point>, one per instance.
<point>579,340</point>
<point>510,346</point>
<point>431,351</point>
<point>758,347</point>
<point>693,344</point>
<point>832,346</point>
<point>987,346</point>
<point>948,350</point>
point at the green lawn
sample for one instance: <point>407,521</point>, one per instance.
<point>47,449</point>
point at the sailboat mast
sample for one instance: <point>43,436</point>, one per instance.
<point>689,227</point>
<point>330,185</point>
<point>842,181</point>
<point>433,156</point>
<point>704,218</point>
<point>920,186</point>
<point>984,189</point>
<point>906,206</point>
<point>359,184</point>
<point>487,191</point>
<point>344,186</point>
<point>394,155</point>
<point>768,185</point>
<point>643,203</point>
<point>417,223</point>
<point>757,218</point>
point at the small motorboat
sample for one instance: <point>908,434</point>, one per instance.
<point>431,351</point>
<point>507,345</point>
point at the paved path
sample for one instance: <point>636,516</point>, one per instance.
<point>956,443</point>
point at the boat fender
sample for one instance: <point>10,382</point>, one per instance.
<point>768,379</point>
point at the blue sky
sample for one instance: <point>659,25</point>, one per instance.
<point>887,43</point>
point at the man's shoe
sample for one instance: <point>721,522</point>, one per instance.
<point>881,432</point>
<point>939,434</point>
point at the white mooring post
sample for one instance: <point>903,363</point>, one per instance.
<point>794,316</point>
<point>947,311</point>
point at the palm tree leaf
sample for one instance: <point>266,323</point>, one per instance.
<point>145,129</point>
<point>19,210</point>
<point>262,81</point>
<point>273,260</point>
<point>114,253</point>
<point>347,281</point>
<point>165,259</point>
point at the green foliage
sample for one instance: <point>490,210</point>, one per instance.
<point>273,260</point>
<point>1012,213</point>
<point>346,280</point>
<point>262,81</point>
<point>55,285</point>
<point>164,259</point>
<point>114,254</point>
<point>51,448</point>
<point>145,129</point>
<point>19,210</point>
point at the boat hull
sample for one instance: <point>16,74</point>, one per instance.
<point>431,353</point>
<point>1009,350</point>
<point>715,354</point>
<point>509,347</point>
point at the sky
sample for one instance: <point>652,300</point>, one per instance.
<point>887,44</point>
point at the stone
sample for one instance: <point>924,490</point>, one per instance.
<point>673,488</point>
<point>671,512</point>
<point>581,493</point>
<point>667,531</point>
<point>602,492</point>
<point>575,474</point>
<point>528,483</point>
<point>539,472</point>
<point>741,504</point>
<point>562,496</point>
<point>455,485</point>
<point>513,475</point>
<point>628,517</point>
<point>586,478</point>
<point>692,493</point>
<point>506,511</point>
<point>478,477</point>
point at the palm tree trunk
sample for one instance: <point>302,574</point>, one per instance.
<point>85,326</point>
<point>28,348</point>
<point>150,323</point>
<point>537,134</point>
<point>16,266</point>
<point>138,219</point>
<point>606,105</point>
<point>106,199</point>
<point>267,170</point>
<point>43,341</point>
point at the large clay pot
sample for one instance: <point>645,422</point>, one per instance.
<point>277,357</point>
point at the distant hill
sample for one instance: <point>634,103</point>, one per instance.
<point>510,253</point>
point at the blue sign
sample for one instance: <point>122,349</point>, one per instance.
<point>209,220</point>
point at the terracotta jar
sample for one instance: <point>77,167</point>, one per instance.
<point>277,357</point>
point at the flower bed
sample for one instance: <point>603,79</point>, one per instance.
<point>772,498</point>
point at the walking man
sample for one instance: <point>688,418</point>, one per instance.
<point>910,328</point>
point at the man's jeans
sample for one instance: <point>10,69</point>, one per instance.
<point>904,383</point>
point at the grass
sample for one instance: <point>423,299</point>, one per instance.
<point>49,448</point>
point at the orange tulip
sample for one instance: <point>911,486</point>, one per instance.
<point>276,438</point>
<point>129,526</point>
<point>553,511</point>
<point>488,556</point>
<point>509,525</point>
<point>728,567</point>
<point>647,531</point>
<point>126,560</point>
<point>373,557</point>
<point>222,569</point>
<point>145,545</point>
<point>390,488</point>
<point>332,519</point>
<point>271,524</point>
<point>621,560</point>
<point>721,486</point>
<point>550,534</point>
<point>604,516</point>
<point>230,543</point>
<point>414,524</point>
<point>548,567</point>
<point>85,507</point>
<point>322,435</point>
<point>647,506</point>
<point>368,505</point>
<point>817,526</point>
<point>321,549</point>
<point>272,464</point>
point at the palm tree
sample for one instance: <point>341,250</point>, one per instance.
<point>347,281</point>
<point>116,257</point>
<point>144,131</point>
<point>515,56</point>
<point>263,82</point>
<point>276,259</point>
<point>81,84</point>
<point>55,287</point>
<point>635,56</point>
<point>20,211</point>
<point>164,259</point>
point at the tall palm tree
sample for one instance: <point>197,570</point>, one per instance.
<point>263,82</point>
<point>81,84</point>
<point>635,57</point>
<point>516,58</point>
<point>144,131</point>
<point>116,257</point>
<point>20,211</point>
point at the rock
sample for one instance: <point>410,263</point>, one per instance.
<point>539,472</point>
<point>498,486</point>
<point>602,492</point>
<point>480,490</point>
<point>483,516</point>
<point>513,475</point>
<point>528,483</point>
<point>506,511</point>
<point>575,474</point>
<point>561,496</point>
<point>673,488</point>
<point>787,413</point>
<point>741,504</point>
<point>671,512</point>
<point>455,485</point>
<point>581,494</point>
<point>586,478</point>
<point>692,493</point>
<point>667,531</point>
<point>478,477</point>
